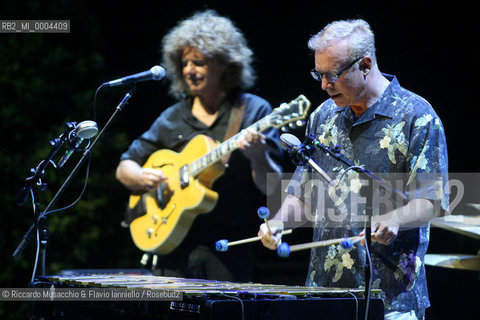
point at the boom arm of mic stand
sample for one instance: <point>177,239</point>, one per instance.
<point>302,156</point>
<point>317,168</point>
<point>28,236</point>
<point>338,156</point>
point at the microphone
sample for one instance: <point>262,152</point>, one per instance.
<point>289,142</point>
<point>84,130</point>
<point>301,153</point>
<point>298,153</point>
<point>155,73</point>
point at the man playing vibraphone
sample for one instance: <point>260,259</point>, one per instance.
<point>384,128</point>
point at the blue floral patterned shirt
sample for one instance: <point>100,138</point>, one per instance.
<point>400,135</point>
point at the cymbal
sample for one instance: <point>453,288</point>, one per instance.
<point>453,261</point>
<point>475,206</point>
<point>465,225</point>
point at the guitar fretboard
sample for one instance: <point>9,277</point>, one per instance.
<point>226,147</point>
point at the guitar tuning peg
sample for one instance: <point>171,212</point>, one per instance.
<point>284,129</point>
<point>300,123</point>
<point>292,125</point>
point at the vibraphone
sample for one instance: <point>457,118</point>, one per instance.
<point>205,299</point>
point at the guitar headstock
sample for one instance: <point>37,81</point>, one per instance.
<point>292,114</point>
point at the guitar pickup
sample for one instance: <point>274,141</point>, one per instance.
<point>184,177</point>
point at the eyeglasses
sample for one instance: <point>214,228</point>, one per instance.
<point>331,77</point>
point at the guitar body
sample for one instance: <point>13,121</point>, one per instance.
<point>166,221</point>
<point>160,219</point>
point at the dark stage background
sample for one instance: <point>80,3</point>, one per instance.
<point>48,79</point>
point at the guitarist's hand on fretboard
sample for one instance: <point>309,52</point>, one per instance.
<point>252,144</point>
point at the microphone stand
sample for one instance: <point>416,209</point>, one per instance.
<point>336,154</point>
<point>33,186</point>
<point>41,217</point>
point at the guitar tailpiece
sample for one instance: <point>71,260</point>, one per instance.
<point>145,258</point>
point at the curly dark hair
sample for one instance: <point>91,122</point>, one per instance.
<point>215,37</point>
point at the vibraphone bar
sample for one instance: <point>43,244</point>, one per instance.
<point>206,299</point>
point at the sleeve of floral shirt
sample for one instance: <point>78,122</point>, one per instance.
<point>427,161</point>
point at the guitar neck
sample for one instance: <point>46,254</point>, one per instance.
<point>225,148</point>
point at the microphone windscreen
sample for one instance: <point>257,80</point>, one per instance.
<point>158,72</point>
<point>87,129</point>
<point>289,141</point>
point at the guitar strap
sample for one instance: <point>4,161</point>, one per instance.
<point>236,117</point>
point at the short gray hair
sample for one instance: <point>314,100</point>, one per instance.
<point>215,37</point>
<point>357,33</point>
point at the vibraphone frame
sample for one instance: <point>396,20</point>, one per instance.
<point>205,299</point>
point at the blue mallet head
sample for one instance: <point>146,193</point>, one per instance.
<point>347,243</point>
<point>283,250</point>
<point>221,245</point>
<point>263,213</point>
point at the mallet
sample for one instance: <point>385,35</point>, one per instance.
<point>284,249</point>
<point>222,245</point>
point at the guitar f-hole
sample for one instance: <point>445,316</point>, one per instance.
<point>162,165</point>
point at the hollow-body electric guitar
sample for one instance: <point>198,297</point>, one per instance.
<point>162,218</point>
